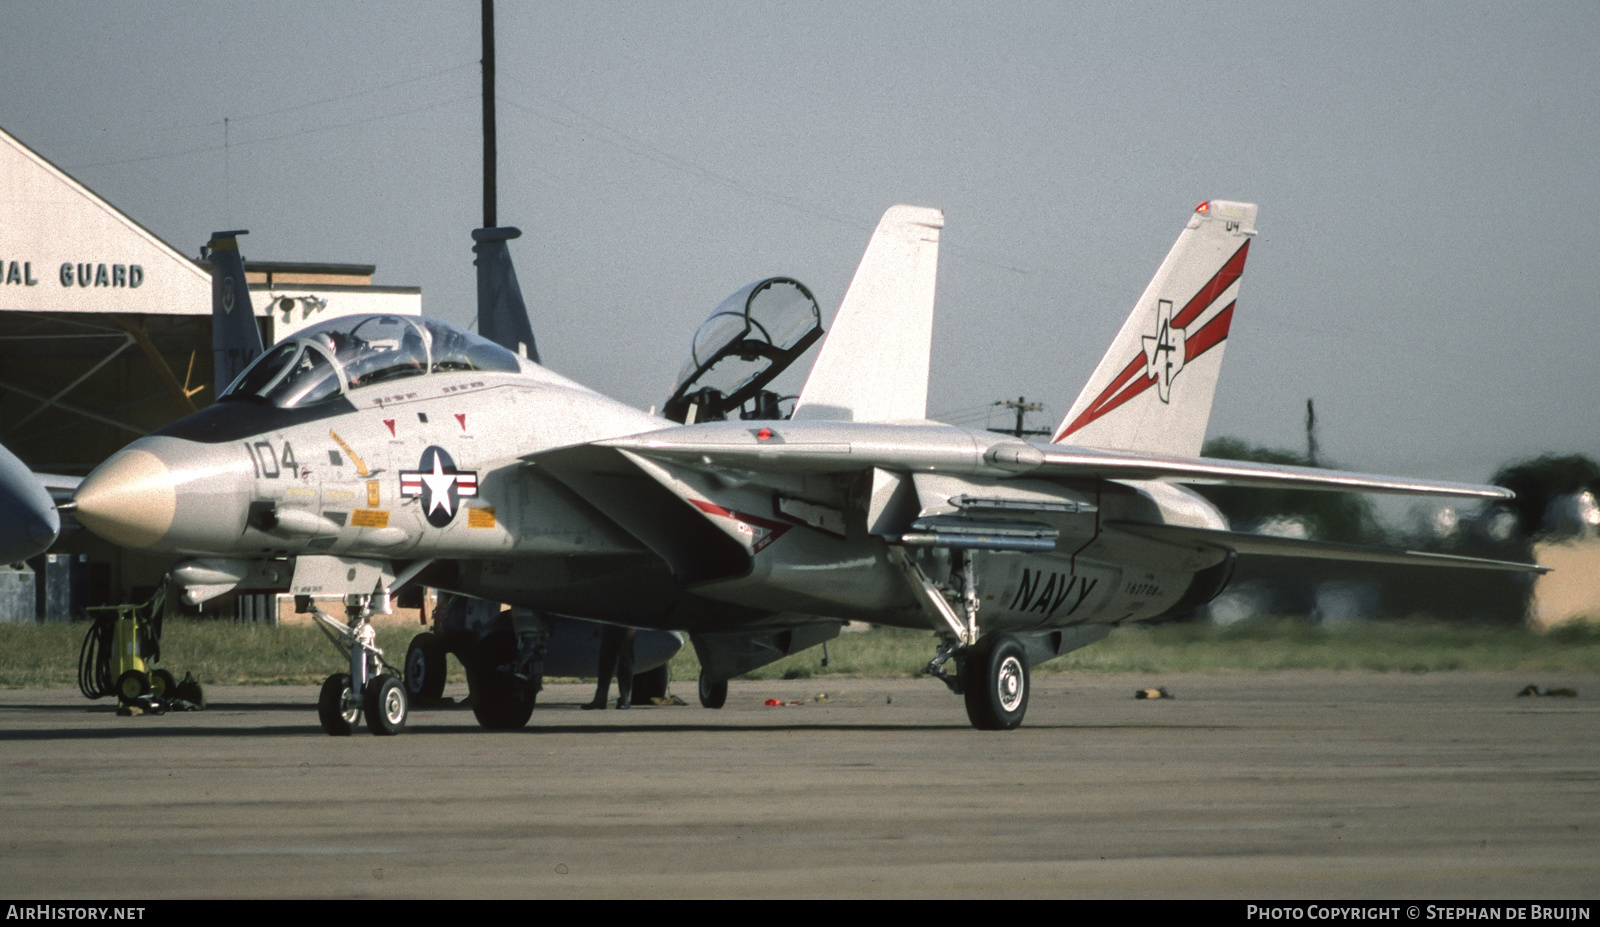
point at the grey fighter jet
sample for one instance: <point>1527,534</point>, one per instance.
<point>372,452</point>
<point>29,522</point>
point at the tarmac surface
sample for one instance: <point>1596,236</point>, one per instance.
<point>1248,786</point>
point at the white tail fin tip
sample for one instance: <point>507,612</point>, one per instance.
<point>1178,326</point>
<point>873,366</point>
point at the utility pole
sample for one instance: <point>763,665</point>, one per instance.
<point>1311,433</point>
<point>1022,407</point>
<point>488,116</point>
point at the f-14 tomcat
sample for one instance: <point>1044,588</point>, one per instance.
<point>369,452</point>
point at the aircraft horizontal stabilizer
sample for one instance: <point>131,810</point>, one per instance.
<point>1271,546</point>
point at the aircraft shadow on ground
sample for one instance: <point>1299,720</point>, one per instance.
<point>143,729</point>
<point>170,733</point>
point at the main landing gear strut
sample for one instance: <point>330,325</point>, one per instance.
<point>992,668</point>
<point>367,689</point>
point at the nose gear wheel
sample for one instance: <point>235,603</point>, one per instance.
<point>385,706</point>
<point>336,706</point>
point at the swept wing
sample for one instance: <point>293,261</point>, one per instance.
<point>738,452</point>
<point>839,447</point>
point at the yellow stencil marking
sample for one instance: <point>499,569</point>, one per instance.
<point>361,465</point>
<point>369,518</point>
<point>372,493</point>
<point>480,517</point>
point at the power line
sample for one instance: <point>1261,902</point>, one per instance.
<point>296,134</point>
<point>947,414</point>
<point>642,149</point>
<point>356,93</point>
<point>621,140</point>
<point>250,117</point>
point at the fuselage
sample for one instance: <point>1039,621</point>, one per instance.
<point>373,454</point>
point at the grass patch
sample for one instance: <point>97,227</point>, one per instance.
<point>217,652</point>
<point>1288,644</point>
<point>223,653</point>
<point>1268,644</point>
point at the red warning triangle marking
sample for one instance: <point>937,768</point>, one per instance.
<point>462,418</point>
<point>390,423</point>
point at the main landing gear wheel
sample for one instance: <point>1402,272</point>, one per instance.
<point>713,692</point>
<point>502,704</point>
<point>385,705</point>
<point>336,706</point>
<point>500,701</point>
<point>994,680</point>
<point>425,666</point>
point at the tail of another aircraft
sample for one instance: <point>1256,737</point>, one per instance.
<point>874,363</point>
<point>1152,391</point>
<point>502,315</point>
<point>235,335</point>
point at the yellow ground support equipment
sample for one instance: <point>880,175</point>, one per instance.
<point>118,653</point>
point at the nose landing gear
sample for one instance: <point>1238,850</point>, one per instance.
<point>366,688</point>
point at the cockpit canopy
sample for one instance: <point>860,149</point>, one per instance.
<point>749,339</point>
<point>327,360</point>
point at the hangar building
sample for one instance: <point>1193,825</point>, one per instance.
<point>105,336</point>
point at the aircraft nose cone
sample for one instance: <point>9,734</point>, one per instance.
<point>29,532</point>
<point>42,529</point>
<point>129,500</point>
<point>28,519</point>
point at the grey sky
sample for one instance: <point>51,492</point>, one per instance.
<point>1426,269</point>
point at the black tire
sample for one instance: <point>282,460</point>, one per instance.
<point>501,703</point>
<point>713,692</point>
<point>385,705</point>
<point>163,684</point>
<point>995,682</point>
<point>651,684</point>
<point>425,666</point>
<point>132,685</point>
<point>336,707</point>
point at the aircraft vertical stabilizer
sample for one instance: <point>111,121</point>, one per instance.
<point>235,335</point>
<point>1152,391</point>
<point>502,315</point>
<point>874,363</point>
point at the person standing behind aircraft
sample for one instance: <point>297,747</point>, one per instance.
<point>616,656</point>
